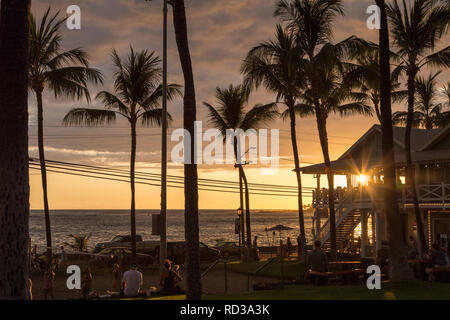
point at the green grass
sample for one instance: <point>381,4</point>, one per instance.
<point>416,290</point>
<point>292,269</point>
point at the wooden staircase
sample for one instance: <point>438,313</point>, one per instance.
<point>344,227</point>
<point>347,219</point>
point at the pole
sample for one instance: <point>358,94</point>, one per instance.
<point>163,245</point>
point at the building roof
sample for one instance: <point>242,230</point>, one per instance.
<point>366,153</point>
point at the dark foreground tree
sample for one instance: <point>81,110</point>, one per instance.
<point>399,268</point>
<point>193,276</point>
<point>14,189</point>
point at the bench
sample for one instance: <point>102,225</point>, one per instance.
<point>439,273</point>
<point>351,276</point>
<point>318,278</point>
<point>348,276</point>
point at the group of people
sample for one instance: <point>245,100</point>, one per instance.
<point>132,280</point>
<point>130,283</point>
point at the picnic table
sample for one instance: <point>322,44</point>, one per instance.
<point>342,271</point>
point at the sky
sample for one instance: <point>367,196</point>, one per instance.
<point>220,35</point>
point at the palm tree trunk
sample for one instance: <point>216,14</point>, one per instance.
<point>422,245</point>
<point>14,185</point>
<point>322,128</point>
<point>132,184</point>
<point>377,111</point>
<point>247,214</point>
<point>299,182</point>
<point>243,178</point>
<point>399,268</point>
<point>44,175</point>
<point>193,276</point>
<point>241,218</point>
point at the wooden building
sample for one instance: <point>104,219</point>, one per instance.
<point>360,203</point>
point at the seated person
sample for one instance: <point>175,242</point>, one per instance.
<point>436,257</point>
<point>132,281</point>
<point>317,261</point>
<point>169,279</point>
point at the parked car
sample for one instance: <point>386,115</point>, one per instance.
<point>176,252</point>
<point>228,249</point>
<point>125,241</point>
<point>109,256</point>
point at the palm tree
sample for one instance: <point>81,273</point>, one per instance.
<point>79,242</point>
<point>415,31</point>
<point>428,113</point>
<point>311,21</point>
<point>230,114</point>
<point>277,65</point>
<point>136,97</point>
<point>365,75</point>
<point>65,73</point>
<point>399,269</point>
<point>446,94</point>
<point>14,189</point>
<point>193,276</point>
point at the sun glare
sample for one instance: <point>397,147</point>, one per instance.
<point>363,180</point>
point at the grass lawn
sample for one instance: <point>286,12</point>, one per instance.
<point>417,290</point>
<point>292,269</point>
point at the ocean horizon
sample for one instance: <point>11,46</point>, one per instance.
<point>215,224</point>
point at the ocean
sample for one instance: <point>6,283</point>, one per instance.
<point>103,225</point>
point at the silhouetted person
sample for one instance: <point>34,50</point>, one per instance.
<point>169,279</point>
<point>436,257</point>
<point>317,261</point>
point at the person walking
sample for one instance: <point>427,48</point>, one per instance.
<point>255,248</point>
<point>49,278</point>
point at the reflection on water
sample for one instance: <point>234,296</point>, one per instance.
<point>214,224</point>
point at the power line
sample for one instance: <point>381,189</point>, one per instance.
<point>75,170</point>
<point>137,173</point>
<point>169,185</point>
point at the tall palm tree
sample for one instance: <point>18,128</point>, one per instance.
<point>428,113</point>
<point>193,276</point>
<point>136,97</point>
<point>415,31</point>
<point>65,73</point>
<point>277,65</point>
<point>365,75</point>
<point>311,21</point>
<point>231,114</point>
<point>399,267</point>
<point>14,187</point>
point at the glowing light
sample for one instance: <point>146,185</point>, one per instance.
<point>363,180</point>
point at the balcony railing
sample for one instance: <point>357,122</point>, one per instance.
<point>433,193</point>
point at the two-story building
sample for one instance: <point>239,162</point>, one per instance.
<point>360,203</point>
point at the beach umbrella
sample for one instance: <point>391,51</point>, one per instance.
<point>280,228</point>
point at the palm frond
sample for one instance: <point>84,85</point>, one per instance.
<point>215,119</point>
<point>89,117</point>
<point>110,101</point>
<point>153,101</point>
<point>154,117</point>
<point>260,114</point>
